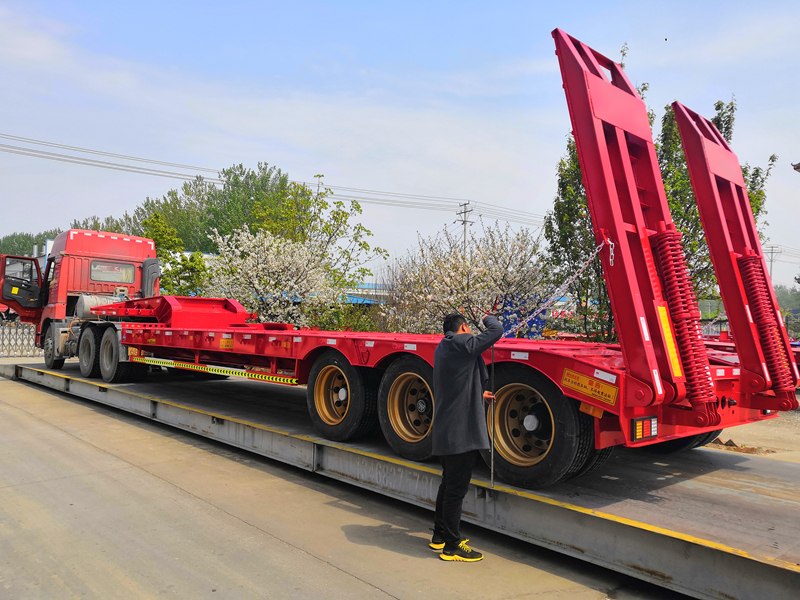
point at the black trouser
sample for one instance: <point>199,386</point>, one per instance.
<point>456,473</point>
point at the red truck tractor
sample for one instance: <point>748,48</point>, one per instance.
<point>84,269</point>
<point>561,407</point>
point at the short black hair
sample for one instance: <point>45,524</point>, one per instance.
<point>453,322</point>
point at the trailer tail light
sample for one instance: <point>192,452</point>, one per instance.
<point>644,428</point>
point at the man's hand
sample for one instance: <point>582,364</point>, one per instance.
<point>488,397</point>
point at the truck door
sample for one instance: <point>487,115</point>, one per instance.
<point>21,285</point>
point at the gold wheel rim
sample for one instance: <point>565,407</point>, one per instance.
<point>520,440</point>
<point>329,400</point>
<point>410,407</point>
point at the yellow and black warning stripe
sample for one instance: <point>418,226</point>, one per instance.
<point>161,362</point>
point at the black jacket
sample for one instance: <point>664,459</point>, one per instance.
<point>459,380</point>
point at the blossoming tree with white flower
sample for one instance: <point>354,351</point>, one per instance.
<point>279,279</point>
<point>436,278</point>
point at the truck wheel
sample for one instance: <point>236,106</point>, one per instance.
<point>111,369</point>
<point>89,352</point>
<point>405,407</point>
<point>685,443</point>
<point>341,398</point>
<point>50,360</point>
<point>537,439</point>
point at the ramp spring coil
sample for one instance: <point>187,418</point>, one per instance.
<point>755,286</point>
<point>685,315</point>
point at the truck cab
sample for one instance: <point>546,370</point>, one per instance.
<point>84,269</point>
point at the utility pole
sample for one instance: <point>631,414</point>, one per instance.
<point>463,215</point>
<point>772,252</point>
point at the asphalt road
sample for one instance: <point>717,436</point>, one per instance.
<point>97,503</point>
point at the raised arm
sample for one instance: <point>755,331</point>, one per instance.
<point>478,344</point>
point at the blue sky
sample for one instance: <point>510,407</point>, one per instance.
<point>457,99</point>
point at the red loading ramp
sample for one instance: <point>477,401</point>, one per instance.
<point>753,312</point>
<point>651,294</point>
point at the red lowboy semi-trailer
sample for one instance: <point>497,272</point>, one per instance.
<point>561,407</point>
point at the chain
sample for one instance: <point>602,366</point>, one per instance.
<point>718,317</point>
<point>563,288</point>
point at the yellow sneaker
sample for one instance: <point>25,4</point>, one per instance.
<point>462,553</point>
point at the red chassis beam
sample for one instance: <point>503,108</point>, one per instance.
<point>591,373</point>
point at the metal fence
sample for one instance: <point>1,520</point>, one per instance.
<point>18,339</point>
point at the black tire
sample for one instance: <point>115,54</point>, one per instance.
<point>138,372</point>
<point>48,345</point>
<point>597,458</point>
<point>89,352</point>
<point>407,383</point>
<point>708,438</point>
<point>682,444</point>
<point>111,369</point>
<point>341,416</point>
<point>554,448</point>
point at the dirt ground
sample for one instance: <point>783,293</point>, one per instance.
<point>776,438</point>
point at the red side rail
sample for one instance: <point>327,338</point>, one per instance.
<point>761,340</point>
<point>651,295</point>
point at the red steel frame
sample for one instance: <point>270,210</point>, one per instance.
<point>657,316</point>
<point>660,369</point>
<point>766,357</point>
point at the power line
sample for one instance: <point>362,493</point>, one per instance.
<point>87,162</point>
<point>100,152</point>
<point>366,196</point>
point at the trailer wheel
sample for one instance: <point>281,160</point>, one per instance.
<point>685,443</point>
<point>405,407</point>
<point>597,458</point>
<point>49,347</point>
<point>538,439</point>
<point>341,398</point>
<point>709,437</point>
<point>89,352</point>
<point>112,370</point>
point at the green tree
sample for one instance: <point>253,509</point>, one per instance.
<point>305,215</point>
<point>258,199</point>
<point>181,275</point>
<point>789,301</point>
<point>123,224</point>
<point>21,244</point>
<point>680,195</point>
<point>571,242</point>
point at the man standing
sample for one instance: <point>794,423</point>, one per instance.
<point>459,431</point>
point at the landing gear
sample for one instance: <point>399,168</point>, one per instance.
<point>341,398</point>
<point>405,407</point>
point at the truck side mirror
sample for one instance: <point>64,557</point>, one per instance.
<point>151,271</point>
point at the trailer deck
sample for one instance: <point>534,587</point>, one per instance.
<point>705,523</point>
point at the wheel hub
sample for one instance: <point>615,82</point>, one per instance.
<point>410,407</point>
<point>531,423</point>
<point>523,427</point>
<point>331,395</point>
